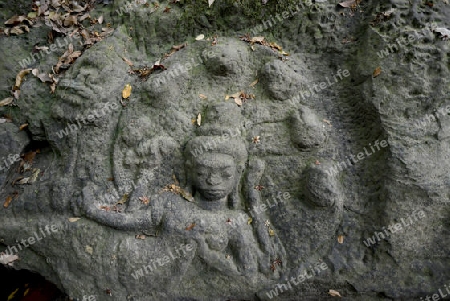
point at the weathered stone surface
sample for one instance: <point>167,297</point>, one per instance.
<point>234,201</point>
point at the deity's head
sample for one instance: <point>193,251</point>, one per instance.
<point>215,165</point>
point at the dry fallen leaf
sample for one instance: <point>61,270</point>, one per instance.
<point>15,20</point>
<point>376,72</point>
<point>73,219</point>
<point>100,20</point>
<point>123,199</point>
<point>23,126</point>
<point>89,250</point>
<point>8,259</point>
<point>144,200</point>
<point>6,101</point>
<point>174,188</point>
<point>7,201</point>
<point>254,83</point>
<point>317,162</point>
<point>126,92</point>
<point>348,4</point>
<point>140,236</point>
<point>129,63</point>
<point>20,77</point>
<point>249,221</point>
<point>257,40</point>
<point>327,122</point>
<point>334,293</point>
<point>275,46</point>
<point>203,96</point>
<point>178,47</point>
<point>200,37</point>
<point>445,33</point>
<point>271,232</point>
<point>341,239</point>
<point>21,181</point>
<point>238,101</point>
<point>199,119</point>
<point>29,157</point>
<point>259,187</point>
<point>190,227</point>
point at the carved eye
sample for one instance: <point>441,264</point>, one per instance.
<point>227,174</point>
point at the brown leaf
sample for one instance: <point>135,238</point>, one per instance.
<point>190,227</point>
<point>70,20</point>
<point>254,83</point>
<point>19,77</point>
<point>23,126</point>
<point>140,236</point>
<point>56,3</point>
<point>180,191</point>
<point>16,94</point>
<point>259,187</point>
<point>376,72</point>
<point>144,200</point>
<point>123,199</point>
<point>203,96</point>
<point>200,37</point>
<point>238,101</point>
<point>18,30</point>
<point>6,101</point>
<point>106,31</point>
<point>8,259</point>
<point>8,201</point>
<point>29,157</point>
<point>257,40</point>
<point>83,17</point>
<point>334,293</point>
<point>45,78</point>
<point>89,250</point>
<point>275,46</point>
<point>444,32</point>
<point>341,239</point>
<point>22,181</point>
<point>187,196</point>
<point>129,63</point>
<point>73,219</point>
<point>178,47</point>
<point>53,87</point>
<point>327,122</point>
<point>126,92</point>
<point>17,20</point>
<point>348,4</point>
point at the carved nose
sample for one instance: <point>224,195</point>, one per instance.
<point>213,180</point>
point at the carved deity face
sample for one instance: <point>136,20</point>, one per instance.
<point>215,175</point>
